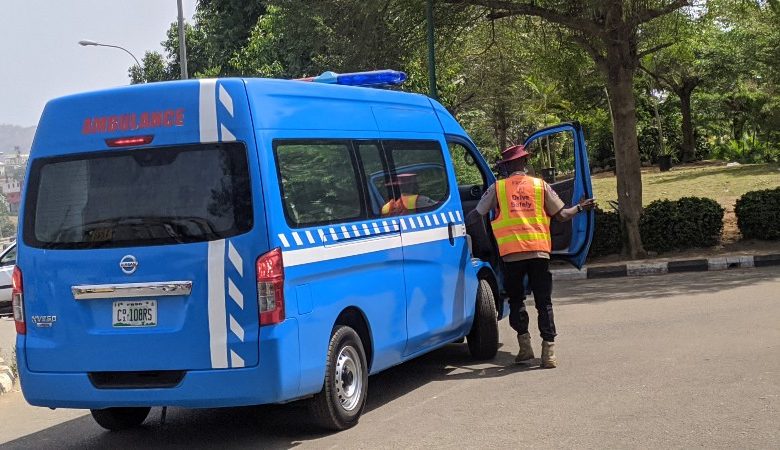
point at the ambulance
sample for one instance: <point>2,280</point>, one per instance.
<point>226,242</point>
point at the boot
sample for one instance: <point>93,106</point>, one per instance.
<point>548,355</point>
<point>526,351</point>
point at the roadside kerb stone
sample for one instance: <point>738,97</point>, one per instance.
<point>6,378</point>
<point>766,260</point>
<point>570,274</point>
<point>642,269</point>
<point>688,265</point>
<point>608,271</point>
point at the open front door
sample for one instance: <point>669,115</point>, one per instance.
<point>559,156</point>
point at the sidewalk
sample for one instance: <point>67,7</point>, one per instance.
<point>660,266</point>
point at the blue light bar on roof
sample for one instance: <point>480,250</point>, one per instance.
<point>372,78</point>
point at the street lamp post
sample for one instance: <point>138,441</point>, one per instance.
<point>86,42</point>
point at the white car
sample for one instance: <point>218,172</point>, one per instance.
<point>7,263</point>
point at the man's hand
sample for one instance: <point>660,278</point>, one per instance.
<point>587,203</point>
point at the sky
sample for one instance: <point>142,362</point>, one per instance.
<point>40,58</point>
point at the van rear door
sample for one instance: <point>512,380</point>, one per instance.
<point>143,253</point>
<point>559,156</point>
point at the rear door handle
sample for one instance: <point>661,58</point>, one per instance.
<point>451,232</point>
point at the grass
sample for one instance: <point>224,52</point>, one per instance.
<point>708,179</point>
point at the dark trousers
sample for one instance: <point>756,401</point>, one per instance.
<point>540,280</point>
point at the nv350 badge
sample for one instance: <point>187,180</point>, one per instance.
<point>44,321</point>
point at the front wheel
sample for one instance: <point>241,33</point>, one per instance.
<point>114,419</point>
<point>342,399</point>
<point>483,337</point>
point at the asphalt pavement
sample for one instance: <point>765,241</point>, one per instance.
<point>675,361</point>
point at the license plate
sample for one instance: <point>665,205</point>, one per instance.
<point>141,313</point>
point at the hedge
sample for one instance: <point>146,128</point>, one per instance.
<point>606,236</point>
<point>758,214</point>
<point>665,225</point>
<point>685,223</point>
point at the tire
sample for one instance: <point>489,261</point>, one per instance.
<point>115,419</point>
<point>483,337</point>
<point>342,399</point>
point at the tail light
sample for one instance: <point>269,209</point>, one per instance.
<point>270,287</point>
<point>17,301</point>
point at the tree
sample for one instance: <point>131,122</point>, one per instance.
<point>609,30</point>
<point>153,68</point>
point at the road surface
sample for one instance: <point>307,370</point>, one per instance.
<point>675,361</point>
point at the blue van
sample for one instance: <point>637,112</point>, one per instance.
<point>226,242</point>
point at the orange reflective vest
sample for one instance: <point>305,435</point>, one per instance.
<point>397,207</point>
<point>522,225</point>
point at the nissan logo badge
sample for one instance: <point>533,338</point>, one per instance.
<point>128,264</point>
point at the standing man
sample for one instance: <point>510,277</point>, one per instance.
<point>523,207</point>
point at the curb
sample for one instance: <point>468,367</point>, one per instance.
<point>660,268</point>
<point>6,378</point>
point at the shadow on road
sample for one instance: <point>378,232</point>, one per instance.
<point>629,288</point>
<point>271,426</point>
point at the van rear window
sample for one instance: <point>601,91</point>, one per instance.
<point>163,195</point>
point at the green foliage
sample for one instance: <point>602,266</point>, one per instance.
<point>758,214</point>
<point>747,150</point>
<point>606,236</point>
<point>685,223</point>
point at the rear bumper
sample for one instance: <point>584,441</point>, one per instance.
<point>275,379</point>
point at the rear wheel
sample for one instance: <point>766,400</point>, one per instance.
<point>483,337</point>
<point>342,399</point>
<point>114,419</point>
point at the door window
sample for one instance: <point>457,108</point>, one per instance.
<point>419,177</point>
<point>379,184</point>
<point>553,160</point>
<point>466,169</point>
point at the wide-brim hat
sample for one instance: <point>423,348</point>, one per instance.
<point>402,179</point>
<point>513,152</point>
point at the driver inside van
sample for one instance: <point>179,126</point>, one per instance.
<point>406,197</point>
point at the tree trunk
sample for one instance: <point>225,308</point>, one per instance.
<point>688,143</point>
<point>501,125</point>
<point>620,84</point>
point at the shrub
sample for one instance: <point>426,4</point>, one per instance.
<point>686,223</point>
<point>758,214</point>
<point>606,236</point>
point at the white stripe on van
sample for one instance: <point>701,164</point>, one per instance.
<point>226,99</point>
<point>236,329</point>
<point>309,237</point>
<point>403,225</point>
<point>216,304</point>
<point>435,220</point>
<point>395,225</point>
<point>411,223</point>
<point>366,231</point>
<point>227,136</point>
<point>350,248</point>
<point>457,213</point>
<point>235,294</point>
<point>452,218</point>
<point>322,235</point>
<point>384,224</point>
<point>333,235</point>
<point>355,231</point>
<point>284,240</point>
<point>427,221</point>
<point>376,228</point>
<point>345,232</point>
<point>235,360</point>
<point>443,218</point>
<point>297,238</point>
<point>364,246</point>
<point>235,259</point>
<point>419,221</point>
<point>207,110</point>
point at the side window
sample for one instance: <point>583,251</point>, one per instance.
<point>9,259</point>
<point>466,170</point>
<point>319,182</point>
<point>419,177</point>
<point>379,183</point>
